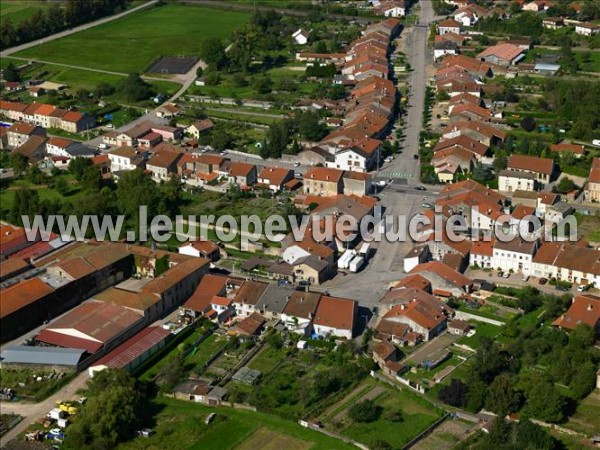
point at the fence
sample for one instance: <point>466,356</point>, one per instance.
<point>461,315</point>
<point>314,427</point>
<point>426,432</point>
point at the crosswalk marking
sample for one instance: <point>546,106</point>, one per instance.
<point>396,174</point>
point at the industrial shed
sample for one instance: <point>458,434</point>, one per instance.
<point>92,326</point>
<point>47,358</point>
<point>133,352</point>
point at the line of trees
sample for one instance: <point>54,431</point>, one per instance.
<point>56,18</point>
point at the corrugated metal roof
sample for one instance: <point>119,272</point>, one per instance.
<point>133,348</point>
<point>41,355</point>
<point>67,341</point>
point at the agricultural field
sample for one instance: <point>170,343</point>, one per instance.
<point>180,424</point>
<point>19,10</point>
<point>143,36</point>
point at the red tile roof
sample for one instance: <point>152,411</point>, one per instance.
<point>584,309</point>
<point>443,271</point>
<point>531,164</point>
<point>22,294</point>
<point>570,148</point>
<point>324,174</point>
<point>507,52</point>
<point>338,313</point>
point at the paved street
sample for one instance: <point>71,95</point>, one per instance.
<point>398,199</point>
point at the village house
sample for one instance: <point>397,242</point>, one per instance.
<point>585,309</point>
<point>20,132</point>
<point>201,249</point>
<point>553,23</point>
<point>300,36</point>
<point>199,127</point>
<point>34,148</point>
<point>448,26</point>
<point>242,174</point>
<point>394,8</point>
<point>577,150</point>
<point>126,158</point>
<point>323,181</point>
<point>362,156</point>
<point>481,253</point>
<point>542,168</point>
<point>512,180</point>
<point>300,312</point>
<point>163,165</point>
<point>587,28</point>
<point>335,317</point>
<point>574,263</point>
<point>58,146</point>
<point>443,48</point>
<point>274,178</point>
<point>515,255</point>
<point>247,297</point>
<point>200,169</point>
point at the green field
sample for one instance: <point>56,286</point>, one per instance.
<point>132,43</point>
<point>19,10</point>
<point>417,414</point>
<point>180,425</point>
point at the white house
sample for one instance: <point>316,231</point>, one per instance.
<point>358,158</point>
<point>443,48</point>
<point>587,29</point>
<point>58,146</point>
<point>335,317</point>
<point>126,158</point>
<point>300,311</point>
<point>481,254</point>
<point>301,37</point>
<point>448,26</point>
<point>416,256</point>
<point>392,9</point>
<point>511,180</point>
<point>516,255</point>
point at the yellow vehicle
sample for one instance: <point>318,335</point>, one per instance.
<point>67,407</point>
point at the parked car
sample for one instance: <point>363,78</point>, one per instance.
<point>562,288</point>
<point>543,281</point>
<point>103,146</point>
<point>223,153</point>
<point>415,156</point>
<point>506,275</point>
<point>296,164</point>
<point>427,205</point>
<point>420,188</point>
<point>525,278</point>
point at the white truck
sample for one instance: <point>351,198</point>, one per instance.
<point>345,259</point>
<point>357,264</point>
<point>364,249</point>
<point>596,142</point>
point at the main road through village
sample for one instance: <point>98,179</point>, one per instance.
<point>386,265</point>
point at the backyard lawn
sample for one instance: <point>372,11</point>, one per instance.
<point>143,36</point>
<point>416,415</point>
<point>180,424</point>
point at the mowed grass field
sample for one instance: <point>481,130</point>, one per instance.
<point>132,43</point>
<point>180,425</point>
<point>19,10</point>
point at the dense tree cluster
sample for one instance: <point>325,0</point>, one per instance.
<point>522,375</point>
<point>97,196</point>
<point>58,17</point>
<point>112,413</point>
<point>307,125</point>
